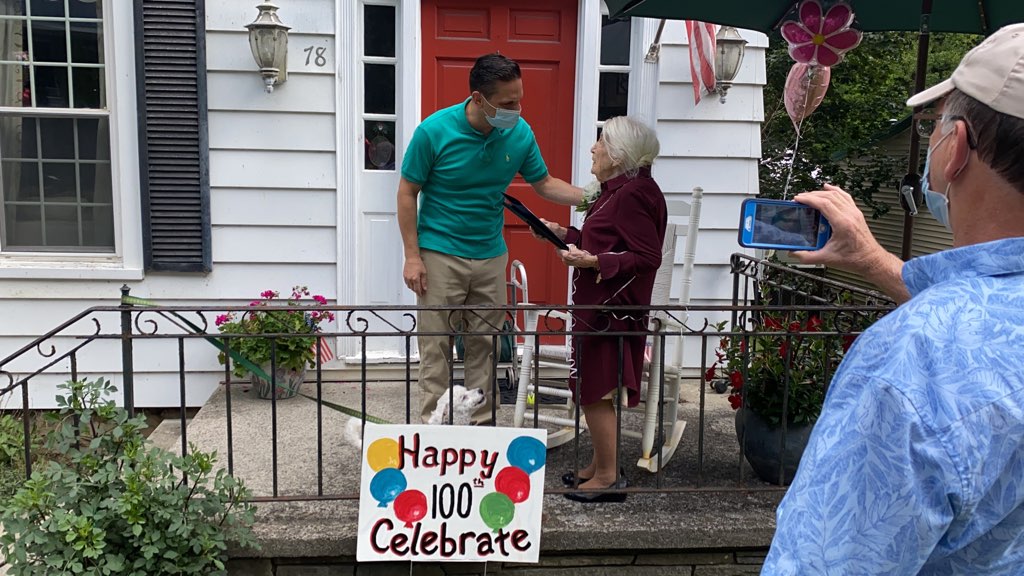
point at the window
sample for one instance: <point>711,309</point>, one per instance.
<point>56,192</point>
<point>379,63</point>
<point>613,69</point>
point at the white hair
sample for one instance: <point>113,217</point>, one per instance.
<point>630,143</point>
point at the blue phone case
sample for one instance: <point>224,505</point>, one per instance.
<point>748,224</point>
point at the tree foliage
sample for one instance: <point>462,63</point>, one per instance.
<point>865,99</point>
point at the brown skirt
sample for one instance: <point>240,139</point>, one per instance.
<point>597,367</point>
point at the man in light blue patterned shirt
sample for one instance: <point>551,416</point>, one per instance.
<point>916,465</point>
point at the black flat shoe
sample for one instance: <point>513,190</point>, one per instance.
<point>569,478</point>
<point>596,496</point>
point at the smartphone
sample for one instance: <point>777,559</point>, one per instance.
<point>782,225</point>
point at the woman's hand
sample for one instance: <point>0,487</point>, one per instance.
<point>559,230</point>
<point>578,258</point>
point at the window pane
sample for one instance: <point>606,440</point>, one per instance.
<point>23,225</point>
<point>98,226</point>
<point>615,42</point>
<point>21,181</point>
<point>93,139</point>
<point>379,88</point>
<point>58,137</point>
<point>14,86</point>
<point>84,8</point>
<point>88,87</point>
<point>95,183</point>
<point>52,87</point>
<point>47,8</point>
<point>86,40</point>
<point>17,137</point>
<point>613,95</point>
<point>61,225</point>
<point>379,141</point>
<point>379,30</point>
<point>59,183</point>
<point>49,41</point>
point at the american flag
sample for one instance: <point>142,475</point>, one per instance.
<point>326,355</point>
<point>701,37</point>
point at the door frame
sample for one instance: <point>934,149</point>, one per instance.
<point>643,86</point>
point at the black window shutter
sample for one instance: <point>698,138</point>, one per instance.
<point>170,44</point>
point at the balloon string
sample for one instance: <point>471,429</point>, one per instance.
<point>792,162</point>
<point>799,125</point>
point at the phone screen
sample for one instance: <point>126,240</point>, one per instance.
<point>786,225</point>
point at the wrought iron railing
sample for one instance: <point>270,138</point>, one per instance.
<point>805,317</point>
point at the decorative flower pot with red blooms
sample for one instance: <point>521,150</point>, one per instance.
<point>777,371</point>
<point>285,355</point>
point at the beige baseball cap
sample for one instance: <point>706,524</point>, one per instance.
<point>991,73</point>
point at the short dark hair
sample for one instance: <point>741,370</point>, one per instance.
<point>998,136</point>
<point>490,69</point>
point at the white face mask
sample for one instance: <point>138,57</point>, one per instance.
<point>503,118</point>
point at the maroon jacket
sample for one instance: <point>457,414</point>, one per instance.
<point>625,229</point>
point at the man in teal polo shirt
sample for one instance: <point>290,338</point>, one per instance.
<point>462,158</point>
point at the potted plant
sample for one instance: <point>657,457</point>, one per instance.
<point>289,356</point>
<point>778,372</point>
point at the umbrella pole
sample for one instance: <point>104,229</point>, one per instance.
<point>915,138</point>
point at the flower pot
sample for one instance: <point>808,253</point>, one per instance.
<point>763,446</point>
<point>288,383</point>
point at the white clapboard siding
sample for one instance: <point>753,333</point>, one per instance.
<point>264,207</point>
<point>243,90</point>
<point>714,146</point>
<point>285,244</point>
<point>277,169</point>
<point>151,390</point>
<point>246,130</point>
<point>228,51</point>
<point>306,16</point>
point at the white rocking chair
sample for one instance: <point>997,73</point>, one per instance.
<point>530,386</point>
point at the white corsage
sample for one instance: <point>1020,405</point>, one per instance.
<point>590,194</point>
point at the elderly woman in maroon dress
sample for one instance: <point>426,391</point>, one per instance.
<point>616,254</point>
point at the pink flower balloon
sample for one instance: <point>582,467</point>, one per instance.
<point>805,88</point>
<point>818,39</point>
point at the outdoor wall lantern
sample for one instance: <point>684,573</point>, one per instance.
<point>268,38</point>
<point>729,49</point>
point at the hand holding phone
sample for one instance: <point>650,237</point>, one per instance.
<point>782,225</point>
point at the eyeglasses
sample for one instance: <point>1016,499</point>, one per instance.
<point>926,126</point>
<point>926,123</point>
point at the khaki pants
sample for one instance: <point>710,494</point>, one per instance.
<point>455,281</point>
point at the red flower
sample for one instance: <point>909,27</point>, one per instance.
<point>783,350</point>
<point>736,401</point>
<point>813,324</point>
<point>795,326</point>
<point>772,323</point>
<point>848,341</point>
<point>710,374</point>
<point>736,378</point>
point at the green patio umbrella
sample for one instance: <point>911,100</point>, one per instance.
<point>923,16</point>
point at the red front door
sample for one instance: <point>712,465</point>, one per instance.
<point>541,36</point>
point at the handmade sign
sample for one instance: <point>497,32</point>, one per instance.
<point>451,493</point>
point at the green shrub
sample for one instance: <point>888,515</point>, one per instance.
<point>115,505</point>
<point>12,455</point>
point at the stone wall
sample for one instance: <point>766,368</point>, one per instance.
<point>696,563</point>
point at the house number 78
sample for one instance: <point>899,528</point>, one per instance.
<point>316,54</point>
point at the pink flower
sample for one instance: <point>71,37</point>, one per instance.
<point>223,319</point>
<point>268,294</point>
<point>821,40</point>
<point>330,316</point>
<point>255,303</point>
<point>320,300</point>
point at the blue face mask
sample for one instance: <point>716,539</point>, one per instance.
<point>502,118</point>
<point>938,204</point>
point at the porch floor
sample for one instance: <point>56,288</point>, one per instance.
<point>711,507</point>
